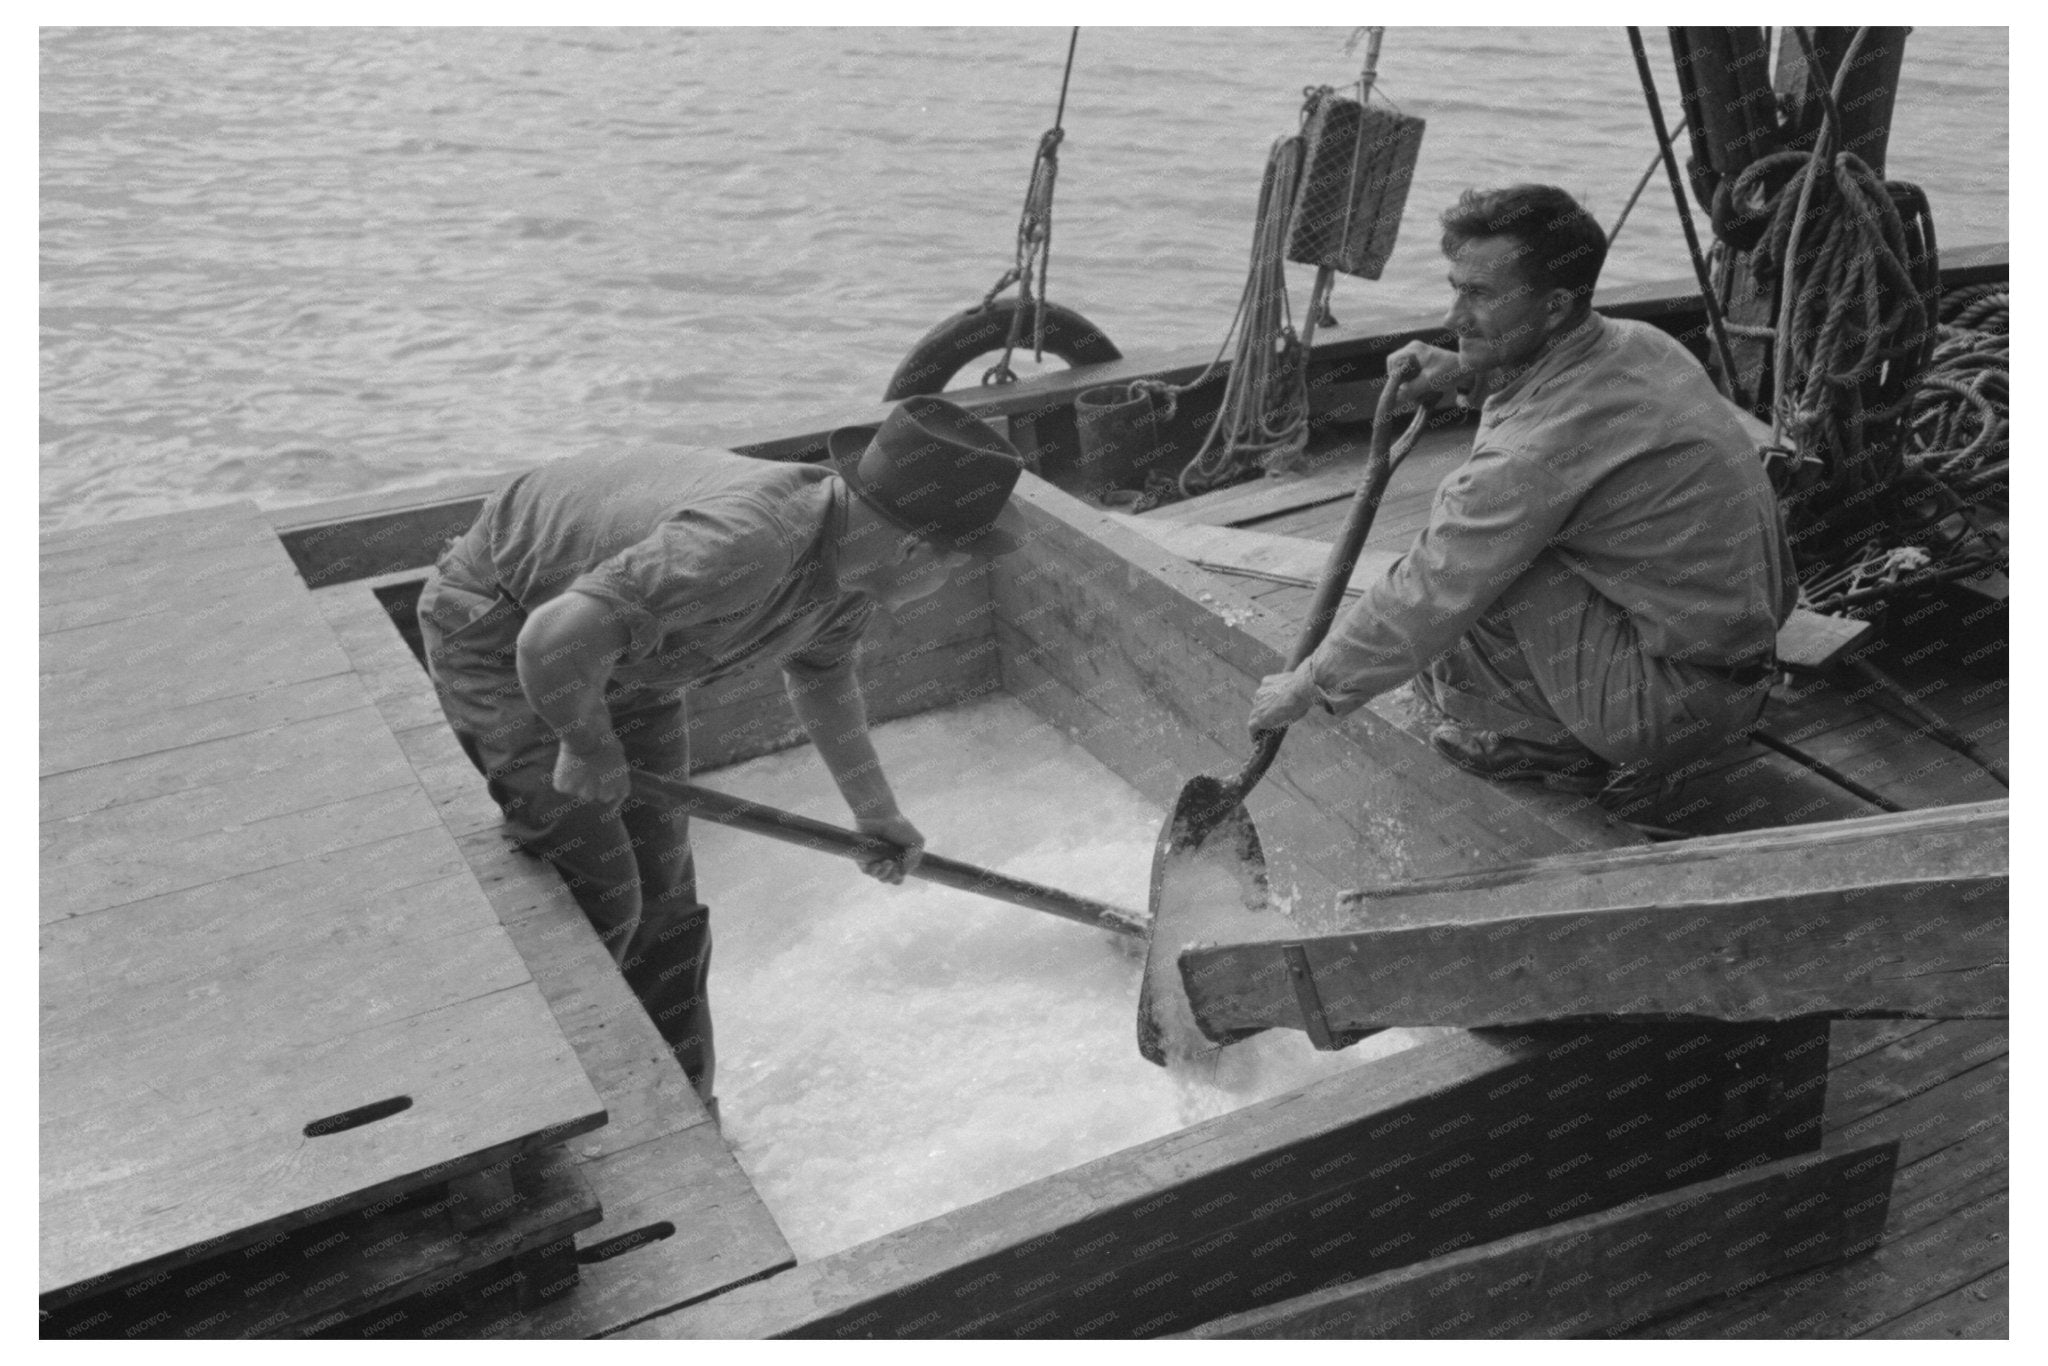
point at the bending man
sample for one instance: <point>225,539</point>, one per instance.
<point>565,627</point>
<point>1595,600</point>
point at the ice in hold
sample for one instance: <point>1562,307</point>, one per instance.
<point>887,1054</point>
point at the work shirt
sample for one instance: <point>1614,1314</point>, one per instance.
<point>709,559</point>
<point>1614,451</point>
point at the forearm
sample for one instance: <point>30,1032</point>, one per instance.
<point>834,715</point>
<point>563,668</point>
<point>1491,520</point>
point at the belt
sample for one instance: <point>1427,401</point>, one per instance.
<point>1756,671</point>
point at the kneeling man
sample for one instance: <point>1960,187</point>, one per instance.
<point>1596,598</point>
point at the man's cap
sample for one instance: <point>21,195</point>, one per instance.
<point>935,470</point>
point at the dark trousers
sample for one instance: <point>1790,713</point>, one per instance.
<point>628,866</point>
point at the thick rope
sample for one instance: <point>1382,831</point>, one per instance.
<point>1852,333</point>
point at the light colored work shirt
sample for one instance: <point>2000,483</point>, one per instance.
<point>1615,451</point>
<point>710,559</point>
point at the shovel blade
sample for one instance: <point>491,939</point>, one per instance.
<point>1208,876</point>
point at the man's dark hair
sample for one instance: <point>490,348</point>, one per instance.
<point>1561,246</point>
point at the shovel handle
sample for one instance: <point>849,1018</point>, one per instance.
<point>724,809</point>
<point>1365,506</point>
<point>1322,611</point>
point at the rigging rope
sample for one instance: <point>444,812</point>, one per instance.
<point>1033,265</point>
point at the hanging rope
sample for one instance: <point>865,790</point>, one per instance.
<point>1265,399</point>
<point>1262,420</point>
<point>1033,266</point>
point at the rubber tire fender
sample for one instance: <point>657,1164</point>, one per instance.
<point>939,354</point>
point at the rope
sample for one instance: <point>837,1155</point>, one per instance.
<point>1855,294</point>
<point>1265,399</point>
<point>1656,160</point>
<point>1726,379</point>
<point>1953,486</point>
<point>1033,265</point>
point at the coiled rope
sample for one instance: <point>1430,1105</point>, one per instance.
<point>1954,477</point>
<point>1856,292</point>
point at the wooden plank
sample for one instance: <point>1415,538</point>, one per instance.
<point>1643,1259</point>
<point>1861,1094</point>
<point>169,675</point>
<point>1978,1310</point>
<point>154,1182</point>
<point>1416,1157</point>
<point>1814,643</point>
<point>1255,554</point>
<point>307,760</point>
<point>208,1053</point>
<point>82,584</point>
<point>372,543</point>
<point>1330,482</point>
<point>1896,1278</point>
<point>309,1280</point>
<point>135,540</point>
<point>319,886</point>
<point>110,981</point>
<point>1940,1092</point>
<point>1953,1141</point>
<point>1890,918</point>
<point>1752,790</point>
<point>112,737</point>
<point>681,1223</point>
<point>123,854</point>
<point>1125,625</point>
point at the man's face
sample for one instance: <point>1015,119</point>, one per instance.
<point>921,572</point>
<point>1500,320</point>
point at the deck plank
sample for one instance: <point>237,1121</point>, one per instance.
<point>722,1238</point>
<point>125,854</point>
<point>144,1183</point>
<point>314,754</point>
<point>252,921</point>
<point>1941,1091</point>
<point>110,738</point>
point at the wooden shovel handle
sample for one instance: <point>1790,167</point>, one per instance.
<point>739,813</point>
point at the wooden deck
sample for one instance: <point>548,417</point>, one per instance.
<point>1939,1088</point>
<point>274,894</point>
<point>253,926</point>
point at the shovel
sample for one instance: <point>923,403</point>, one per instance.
<point>1208,870</point>
<point>741,814</point>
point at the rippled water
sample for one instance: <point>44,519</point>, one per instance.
<point>290,264</point>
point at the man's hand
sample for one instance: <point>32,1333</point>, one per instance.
<point>897,831</point>
<point>1282,699</point>
<point>1440,372</point>
<point>595,774</point>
